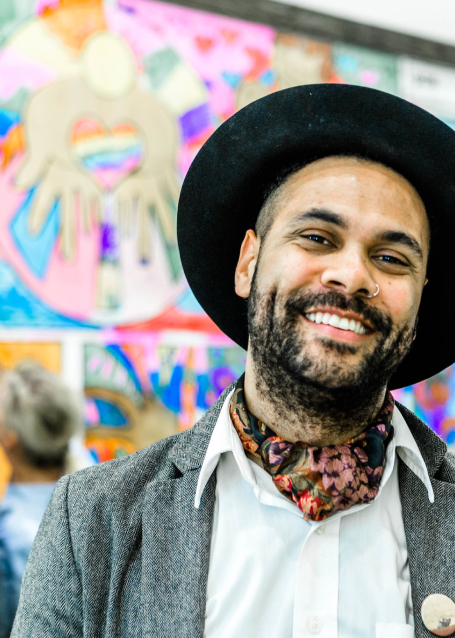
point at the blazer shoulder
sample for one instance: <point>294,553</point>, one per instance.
<point>131,472</point>
<point>446,472</point>
<point>116,489</point>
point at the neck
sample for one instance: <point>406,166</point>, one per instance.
<point>314,415</point>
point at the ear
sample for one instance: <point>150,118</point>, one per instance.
<point>246,264</point>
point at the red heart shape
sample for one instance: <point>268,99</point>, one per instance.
<point>205,44</point>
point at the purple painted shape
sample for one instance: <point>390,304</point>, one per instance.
<point>194,122</point>
<point>109,242</point>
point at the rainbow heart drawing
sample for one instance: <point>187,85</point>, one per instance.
<point>107,154</point>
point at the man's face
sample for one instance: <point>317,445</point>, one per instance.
<point>342,227</point>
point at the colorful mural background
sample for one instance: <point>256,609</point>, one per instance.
<point>103,106</point>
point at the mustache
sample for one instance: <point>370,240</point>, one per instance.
<point>301,301</point>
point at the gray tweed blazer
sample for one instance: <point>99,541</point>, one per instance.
<point>122,552</point>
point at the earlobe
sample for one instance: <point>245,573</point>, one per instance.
<point>246,264</point>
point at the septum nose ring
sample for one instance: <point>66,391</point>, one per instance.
<point>375,294</point>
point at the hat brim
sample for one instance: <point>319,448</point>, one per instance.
<point>223,192</point>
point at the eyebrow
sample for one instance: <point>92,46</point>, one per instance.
<point>322,215</point>
<point>390,236</point>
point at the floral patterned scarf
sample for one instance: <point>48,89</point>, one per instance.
<point>320,480</point>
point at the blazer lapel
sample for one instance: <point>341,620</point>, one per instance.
<point>176,539</point>
<point>429,527</point>
<point>176,554</point>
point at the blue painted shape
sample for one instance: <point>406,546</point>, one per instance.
<point>188,303</point>
<point>19,307</point>
<point>110,413</point>
<point>203,386</point>
<point>7,120</point>
<point>155,382</point>
<point>111,159</point>
<point>36,250</point>
<point>118,354</point>
<point>347,63</point>
<point>171,395</point>
<point>233,79</point>
<point>268,77</point>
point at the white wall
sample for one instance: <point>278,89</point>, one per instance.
<point>430,19</point>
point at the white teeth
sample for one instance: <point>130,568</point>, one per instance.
<point>337,322</point>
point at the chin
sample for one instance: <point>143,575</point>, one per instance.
<point>326,347</point>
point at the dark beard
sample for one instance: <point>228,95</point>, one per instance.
<point>323,389</point>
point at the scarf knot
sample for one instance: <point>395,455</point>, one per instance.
<point>320,480</point>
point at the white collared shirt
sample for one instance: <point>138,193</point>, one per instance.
<point>273,574</point>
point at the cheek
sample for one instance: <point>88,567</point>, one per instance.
<point>289,269</point>
<point>402,302</point>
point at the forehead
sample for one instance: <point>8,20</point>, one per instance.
<point>363,190</point>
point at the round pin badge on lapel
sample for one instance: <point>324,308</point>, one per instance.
<point>438,615</point>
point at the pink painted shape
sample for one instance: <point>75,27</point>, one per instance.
<point>69,287</point>
<point>155,25</point>
<point>201,362</point>
<point>108,177</point>
<point>107,368</point>
<point>46,4</point>
<point>94,363</point>
<point>370,78</point>
<point>91,414</point>
<point>18,72</point>
<point>222,99</point>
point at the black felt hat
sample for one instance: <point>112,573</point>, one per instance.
<point>224,190</point>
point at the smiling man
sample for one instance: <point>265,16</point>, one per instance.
<point>305,501</point>
<point>334,280</point>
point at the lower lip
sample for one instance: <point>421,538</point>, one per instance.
<point>337,333</point>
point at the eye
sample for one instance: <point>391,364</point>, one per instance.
<point>391,260</point>
<point>318,239</point>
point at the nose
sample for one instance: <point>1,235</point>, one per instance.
<point>348,272</point>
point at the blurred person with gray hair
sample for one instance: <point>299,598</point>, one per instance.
<point>38,417</point>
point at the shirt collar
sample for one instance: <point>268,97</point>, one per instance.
<point>223,440</point>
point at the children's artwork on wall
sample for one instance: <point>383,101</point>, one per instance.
<point>103,107</point>
<point>433,401</point>
<point>141,390</point>
<point>373,69</point>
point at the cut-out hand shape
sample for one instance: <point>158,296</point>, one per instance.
<point>76,126</point>
<point>141,195</point>
<point>60,181</point>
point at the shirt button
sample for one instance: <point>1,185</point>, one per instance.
<point>320,530</point>
<point>314,626</point>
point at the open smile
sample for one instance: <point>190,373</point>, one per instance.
<point>339,324</point>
